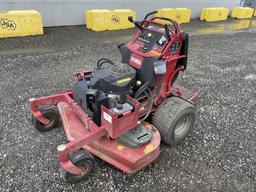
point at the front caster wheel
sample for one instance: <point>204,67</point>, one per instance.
<point>50,114</point>
<point>174,119</point>
<point>83,160</point>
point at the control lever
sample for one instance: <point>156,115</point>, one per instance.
<point>167,32</point>
<point>130,18</point>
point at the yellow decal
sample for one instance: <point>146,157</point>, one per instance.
<point>120,81</point>
<point>120,147</point>
<point>148,148</point>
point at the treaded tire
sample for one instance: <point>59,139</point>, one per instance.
<point>174,119</point>
<point>79,158</point>
<point>51,114</point>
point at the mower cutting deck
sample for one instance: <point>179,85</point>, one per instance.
<point>105,113</point>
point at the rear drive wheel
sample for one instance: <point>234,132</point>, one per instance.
<point>174,119</point>
<point>51,114</point>
<point>82,159</point>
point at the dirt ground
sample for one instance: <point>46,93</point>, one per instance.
<point>219,155</point>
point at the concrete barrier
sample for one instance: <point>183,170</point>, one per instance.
<point>120,19</point>
<point>20,23</point>
<point>104,19</point>
<point>181,15</point>
<point>97,19</point>
<point>242,12</point>
<point>214,14</point>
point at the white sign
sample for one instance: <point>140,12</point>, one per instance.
<point>107,117</point>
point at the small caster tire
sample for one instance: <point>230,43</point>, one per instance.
<point>81,159</point>
<point>50,114</point>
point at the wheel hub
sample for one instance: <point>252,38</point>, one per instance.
<point>182,126</point>
<point>51,122</point>
<point>84,169</point>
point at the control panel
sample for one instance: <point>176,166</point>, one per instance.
<point>151,40</point>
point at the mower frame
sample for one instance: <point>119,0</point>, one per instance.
<point>82,132</point>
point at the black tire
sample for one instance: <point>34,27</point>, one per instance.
<point>79,158</point>
<point>52,115</point>
<point>174,119</point>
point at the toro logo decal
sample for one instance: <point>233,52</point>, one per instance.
<point>136,61</point>
<point>115,19</point>
<point>7,24</point>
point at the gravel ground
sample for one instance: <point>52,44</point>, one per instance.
<point>219,155</point>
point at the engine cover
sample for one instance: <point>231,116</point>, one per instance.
<point>120,79</point>
<point>105,87</point>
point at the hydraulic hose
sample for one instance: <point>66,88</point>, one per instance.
<point>141,89</point>
<point>102,61</point>
<point>148,93</point>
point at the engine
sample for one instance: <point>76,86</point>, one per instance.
<point>107,87</point>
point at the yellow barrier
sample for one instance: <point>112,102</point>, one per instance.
<point>242,12</point>
<point>96,19</point>
<point>181,15</point>
<point>104,19</point>
<point>254,12</point>
<point>214,14</point>
<point>203,13</point>
<point>167,13</point>
<point>20,23</point>
<point>120,18</point>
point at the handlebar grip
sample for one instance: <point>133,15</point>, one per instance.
<point>130,18</point>
<point>151,13</point>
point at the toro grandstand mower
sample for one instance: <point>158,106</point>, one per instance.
<point>105,113</point>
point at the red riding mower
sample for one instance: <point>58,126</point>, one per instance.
<point>105,113</point>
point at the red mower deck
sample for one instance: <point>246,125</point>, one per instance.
<point>95,139</point>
